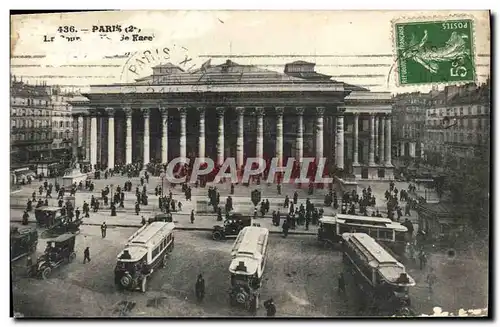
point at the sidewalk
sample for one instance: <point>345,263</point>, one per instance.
<point>203,222</point>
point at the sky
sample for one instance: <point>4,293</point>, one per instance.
<point>355,47</point>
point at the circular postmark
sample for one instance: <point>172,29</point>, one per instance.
<point>162,62</point>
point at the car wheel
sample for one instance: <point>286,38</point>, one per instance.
<point>72,257</point>
<point>46,273</point>
<point>217,236</point>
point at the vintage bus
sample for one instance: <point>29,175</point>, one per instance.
<point>382,279</point>
<point>248,261</point>
<point>146,250</point>
<point>384,230</point>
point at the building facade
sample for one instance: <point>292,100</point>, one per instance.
<point>240,111</point>
<point>458,126</point>
<point>30,121</point>
<point>62,123</point>
<point>409,118</point>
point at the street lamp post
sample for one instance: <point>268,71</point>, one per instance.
<point>112,200</point>
<point>162,176</point>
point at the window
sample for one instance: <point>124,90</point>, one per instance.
<point>479,110</point>
<point>469,111</point>
<point>12,123</point>
<point>60,135</point>
<point>67,123</point>
<point>61,124</point>
<point>461,111</point>
<point>155,252</point>
<point>462,138</point>
<point>55,135</point>
<point>479,123</point>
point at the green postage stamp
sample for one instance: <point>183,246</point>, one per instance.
<point>434,51</point>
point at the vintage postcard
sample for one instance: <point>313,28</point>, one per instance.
<point>250,164</point>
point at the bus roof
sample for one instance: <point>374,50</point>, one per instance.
<point>364,218</point>
<point>252,240</point>
<point>150,230</point>
<point>371,249</point>
<point>64,237</point>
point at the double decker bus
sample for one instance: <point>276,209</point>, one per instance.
<point>390,233</point>
<point>380,277</point>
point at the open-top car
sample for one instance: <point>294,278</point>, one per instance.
<point>165,217</point>
<point>55,222</point>
<point>58,251</point>
<point>232,226</point>
<point>48,216</point>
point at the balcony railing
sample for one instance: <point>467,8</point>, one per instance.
<point>31,141</point>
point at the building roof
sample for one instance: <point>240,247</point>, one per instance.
<point>231,72</point>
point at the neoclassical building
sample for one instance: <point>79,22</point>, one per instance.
<point>233,110</point>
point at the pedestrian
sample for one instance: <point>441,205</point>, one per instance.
<point>431,280</point>
<point>192,216</point>
<point>285,227</point>
<point>103,229</point>
<point>86,255</point>
<point>341,281</point>
<point>270,308</point>
<point>423,259</point>
<point>200,288</point>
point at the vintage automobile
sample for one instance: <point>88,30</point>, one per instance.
<point>232,226</point>
<point>165,217</point>
<point>146,250</point>
<point>55,222</point>
<point>248,261</point>
<point>59,250</point>
<point>48,216</point>
<point>22,242</point>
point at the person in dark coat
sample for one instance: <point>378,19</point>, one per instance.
<point>25,218</point>
<point>137,208</point>
<point>104,227</point>
<point>200,288</point>
<point>86,255</point>
<point>341,288</point>
<point>270,308</point>
<point>286,227</point>
<point>192,216</point>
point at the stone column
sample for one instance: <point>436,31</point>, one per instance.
<point>371,150</point>
<point>279,135</point>
<point>339,154</point>
<point>375,148</point>
<point>402,149</point>
<point>128,136</point>
<point>381,146</point>
<point>300,134</point>
<point>412,148</point>
<point>240,137</point>
<point>182,141</point>
<point>220,138</point>
<point>111,137</point>
<point>201,135</point>
<point>355,141</point>
<point>93,140</point>
<point>87,136</point>
<point>164,135</point>
<point>81,122</point>
<point>259,112</point>
<point>319,133</point>
<point>75,136</point>
<point>145,157</point>
<point>388,141</point>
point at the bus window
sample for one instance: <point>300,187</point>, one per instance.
<point>373,233</point>
<point>385,235</point>
<point>400,236</point>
